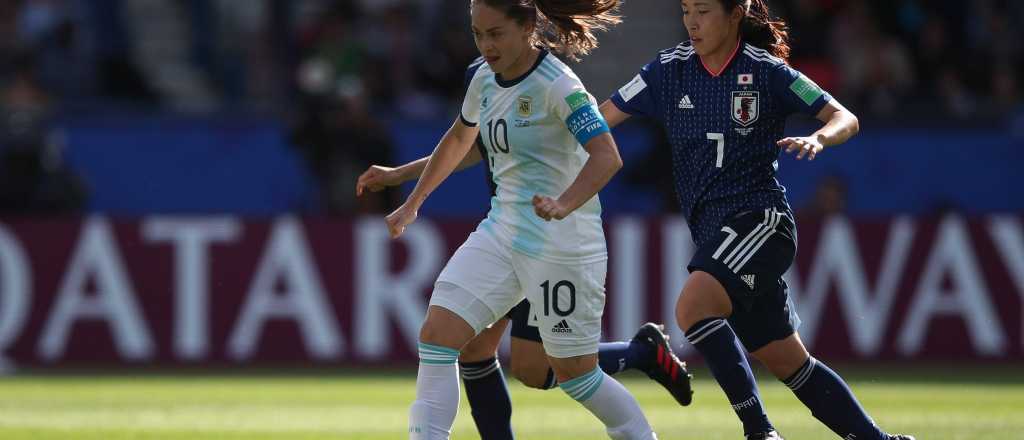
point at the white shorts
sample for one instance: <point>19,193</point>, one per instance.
<point>484,280</point>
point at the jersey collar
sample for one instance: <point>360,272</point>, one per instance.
<point>739,42</point>
<point>513,82</point>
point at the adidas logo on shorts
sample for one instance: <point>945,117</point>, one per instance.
<point>749,279</point>
<point>561,327</point>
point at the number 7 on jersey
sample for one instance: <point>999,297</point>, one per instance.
<point>719,139</point>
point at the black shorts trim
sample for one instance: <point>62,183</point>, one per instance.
<point>521,328</point>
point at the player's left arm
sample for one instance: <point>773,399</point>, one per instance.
<point>378,177</point>
<point>571,102</point>
<point>799,94</point>
<point>840,125</point>
<point>603,163</point>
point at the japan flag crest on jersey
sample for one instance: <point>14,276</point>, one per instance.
<point>745,106</point>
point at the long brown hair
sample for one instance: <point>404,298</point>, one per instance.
<point>564,26</point>
<point>759,28</point>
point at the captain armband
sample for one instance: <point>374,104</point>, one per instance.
<point>587,123</point>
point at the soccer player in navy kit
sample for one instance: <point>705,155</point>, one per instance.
<point>723,98</point>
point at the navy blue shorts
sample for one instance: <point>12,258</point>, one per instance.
<point>521,328</point>
<point>748,256</point>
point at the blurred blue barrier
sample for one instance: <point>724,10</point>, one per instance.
<point>141,165</point>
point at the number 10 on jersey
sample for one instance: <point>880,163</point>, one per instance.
<point>499,141</point>
<point>497,135</point>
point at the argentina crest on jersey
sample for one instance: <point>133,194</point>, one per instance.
<point>525,106</point>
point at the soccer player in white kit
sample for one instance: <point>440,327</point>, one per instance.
<point>550,153</point>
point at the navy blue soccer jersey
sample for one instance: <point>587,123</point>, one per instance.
<point>723,129</point>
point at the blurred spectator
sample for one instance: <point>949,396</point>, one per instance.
<point>24,107</point>
<point>876,71</point>
<point>829,198</point>
<point>881,56</point>
<point>337,67</point>
<point>340,139</point>
<point>33,178</point>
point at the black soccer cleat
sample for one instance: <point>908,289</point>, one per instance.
<point>901,437</point>
<point>771,435</point>
<point>663,366</point>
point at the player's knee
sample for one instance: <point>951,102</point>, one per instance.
<point>567,369</point>
<point>783,357</point>
<point>781,367</point>
<point>477,350</point>
<point>688,311</point>
<point>530,374</point>
<point>430,333</point>
<point>435,333</point>
<point>444,328</point>
<point>703,297</point>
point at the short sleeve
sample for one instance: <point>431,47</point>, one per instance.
<point>797,92</point>
<point>639,97</point>
<point>470,113</point>
<point>571,103</point>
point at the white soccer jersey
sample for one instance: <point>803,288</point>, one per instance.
<point>530,128</point>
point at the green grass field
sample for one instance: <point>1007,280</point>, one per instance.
<point>933,405</point>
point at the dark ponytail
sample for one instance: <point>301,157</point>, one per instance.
<point>564,26</point>
<point>759,28</point>
<point>571,24</point>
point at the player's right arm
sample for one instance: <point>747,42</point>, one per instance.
<point>637,98</point>
<point>378,177</point>
<point>612,114</point>
<point>453,147</point>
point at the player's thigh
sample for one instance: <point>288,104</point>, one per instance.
<point>568,302</point>
<point>485,345</point>
<point>479,283</point>
<point>529,362</point>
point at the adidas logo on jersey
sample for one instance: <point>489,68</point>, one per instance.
<point>749,279</point>
<point>685,103</point>
<point>561,327</point>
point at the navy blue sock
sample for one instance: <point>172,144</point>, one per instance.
<point>488,399</point>
<point>832,402</point>
<point>613,358</point>
<point>616,357</point>
<point>725,357</point>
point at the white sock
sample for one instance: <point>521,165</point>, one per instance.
<point>607,399</point>
<point>437,394</point>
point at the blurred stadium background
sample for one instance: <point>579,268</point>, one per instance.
<point>182,254</point>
